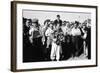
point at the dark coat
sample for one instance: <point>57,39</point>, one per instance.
<point>58,22</point>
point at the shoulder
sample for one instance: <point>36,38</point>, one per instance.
<point>47,29</point>
<point>55,20</point>
<point>60,20</point>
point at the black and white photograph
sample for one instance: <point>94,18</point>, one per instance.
<point>53,36</point>
<point>56,36</point>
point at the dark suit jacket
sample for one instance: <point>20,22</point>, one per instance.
<point>58,22</point>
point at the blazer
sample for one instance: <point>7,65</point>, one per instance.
<point>58,22</point>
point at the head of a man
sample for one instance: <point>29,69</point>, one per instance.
<point>58,17</point>
<point>28,22</point>
<point>35,23</point>
<point>64,23</point>
<point>76,24</point>
<point>51,26</point>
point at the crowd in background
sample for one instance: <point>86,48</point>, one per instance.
<point>55,40</point>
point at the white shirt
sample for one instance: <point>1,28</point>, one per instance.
<point>48,32</point>
<point>64,29</point>
<point>75,32</point>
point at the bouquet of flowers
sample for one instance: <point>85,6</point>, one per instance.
<point>59,36</point>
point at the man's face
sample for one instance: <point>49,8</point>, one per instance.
<point>49,23</point>
<point>34,24</point>
<point>27,23</point>
<point>75,25</point>
<point>63,24</point>
<point>51,26</point>
<point>84,27</point>
<point>58,18</point>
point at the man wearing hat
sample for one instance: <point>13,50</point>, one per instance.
<point>35,39</point>
<point>34,29</point>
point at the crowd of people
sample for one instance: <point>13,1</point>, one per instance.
<point>55,40</point>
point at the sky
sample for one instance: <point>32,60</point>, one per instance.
<point>68,16</point>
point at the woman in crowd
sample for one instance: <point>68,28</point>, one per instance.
<point>27,49</point>
<point>46,38</point>
<point>48,34</point>
<point>44,28</point>
<point>84,36</point>
<point>88,38</point>
<point>35,39</point>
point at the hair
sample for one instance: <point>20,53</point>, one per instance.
<point>30,21</point>
<point>58,15</point>
<point>48,20</point>
<point>24,20</point>
<point>77,23</point>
